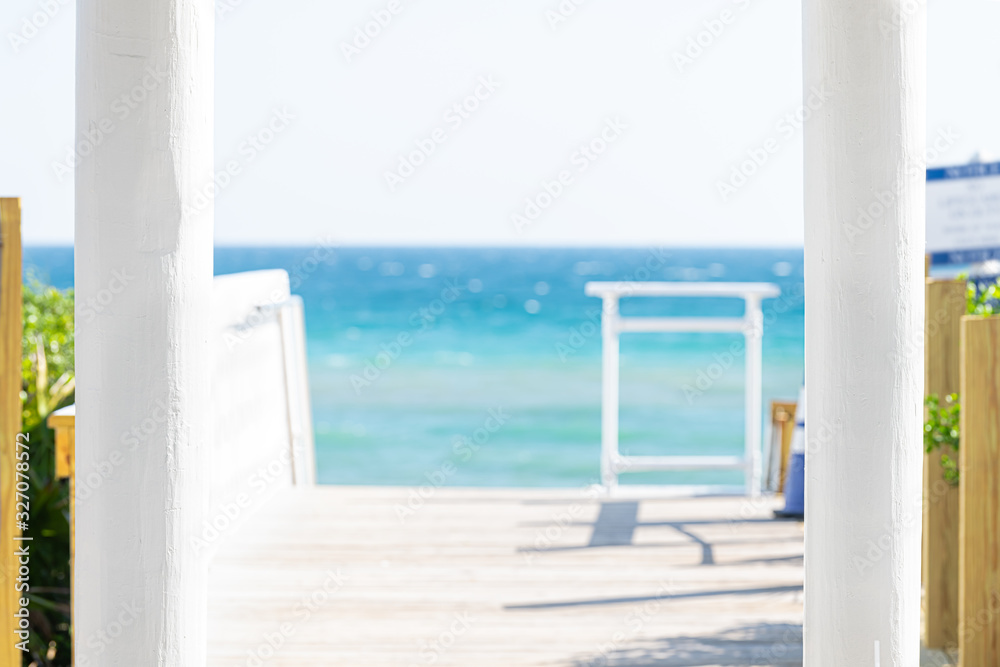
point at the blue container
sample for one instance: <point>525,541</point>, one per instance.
<point>795,486</point>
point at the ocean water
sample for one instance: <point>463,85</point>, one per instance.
<point>482,367</point>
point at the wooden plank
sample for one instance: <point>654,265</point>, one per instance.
<point>62,452</point>
<point>63,422</point>
<point>60,420</point>
<point>783,413</point>
<point>945,306</point>
<point>979,504</point>
<point>10,416</point>
<point>711,578</point>
<point>523,566</point>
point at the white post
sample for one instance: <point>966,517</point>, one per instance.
<point>753,333</point>
<point>864,64</point>
<point>143,284</point>
<point>609,393</point>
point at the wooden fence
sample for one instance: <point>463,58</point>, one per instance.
<point>945,306</point>
<point>979,524</point>
<point>961,529</point>
<point>10,419</point>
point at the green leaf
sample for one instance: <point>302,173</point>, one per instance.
<point>941,432</point>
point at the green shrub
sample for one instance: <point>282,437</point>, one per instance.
<point>981,298</point>
<point>941,433</point>
<point>47,383</point>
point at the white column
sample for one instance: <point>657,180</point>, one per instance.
<point>864,70</point>
<point>143,283</point>
<point>609,393</point>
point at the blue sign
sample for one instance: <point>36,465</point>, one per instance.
<point>963,213</point>
<point>964,171</point>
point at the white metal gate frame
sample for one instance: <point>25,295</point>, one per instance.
<point>751,325</point>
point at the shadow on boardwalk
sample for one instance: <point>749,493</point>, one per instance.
<point>775,645</point>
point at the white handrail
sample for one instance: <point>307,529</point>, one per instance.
<point>288,315</point>
<point>751,325</point>
<point>291,319</point>
<point>624,289</point>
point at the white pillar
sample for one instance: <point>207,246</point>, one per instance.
<point>864,69</point>
<point>143,283</point>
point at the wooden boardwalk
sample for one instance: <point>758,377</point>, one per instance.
<point>365,577</point>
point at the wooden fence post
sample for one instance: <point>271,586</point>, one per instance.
<point>10,417</point>
<point>945,306</point>
<point>979,505</point>
<point>63,422</point>
<point>783,418</point>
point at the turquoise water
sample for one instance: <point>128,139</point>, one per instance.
<point>481,367</point>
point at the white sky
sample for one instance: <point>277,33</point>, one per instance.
<point>323,176</point>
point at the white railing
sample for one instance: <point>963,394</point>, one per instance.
<point>263,439</point>
<point>751,325</point>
